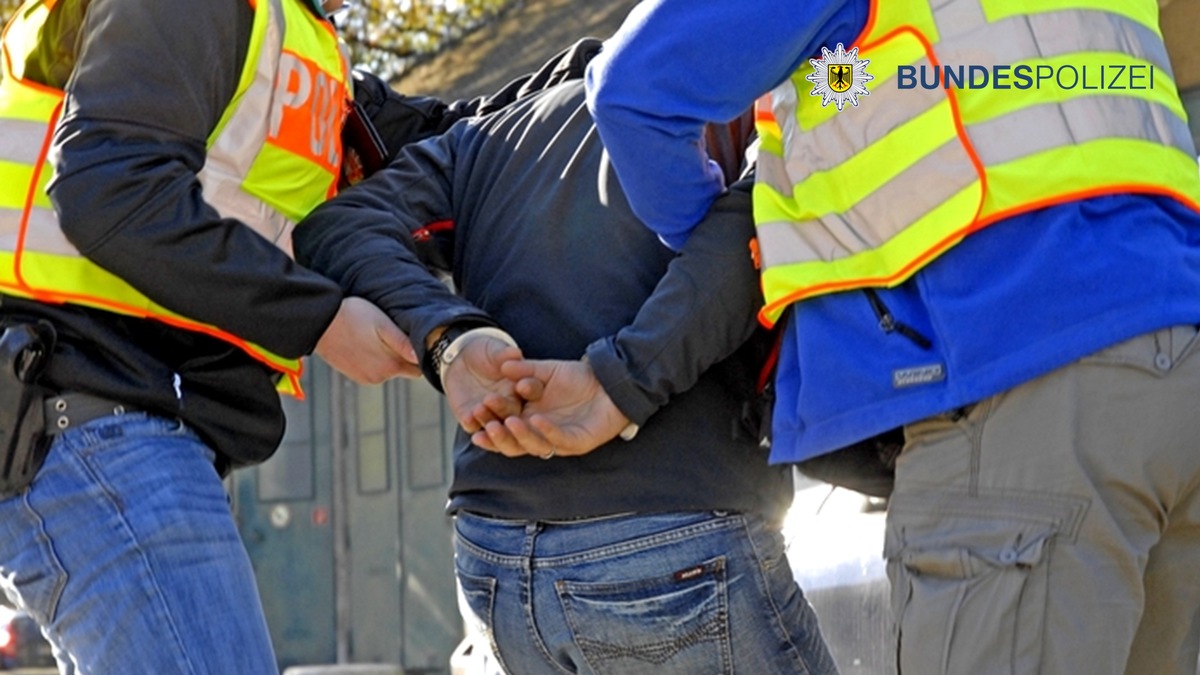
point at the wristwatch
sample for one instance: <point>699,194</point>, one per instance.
<point>432,365</point>
<point>451,342</point>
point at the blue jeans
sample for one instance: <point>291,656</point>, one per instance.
<point>691,593</point>
<point>125,550</point>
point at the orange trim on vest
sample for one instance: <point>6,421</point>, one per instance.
<point>872,15</point>
<point>974,226</point>
<point>977,223</point>
<point>30,195</point>
<point>959,128</point>
<point>762,109</point>
<point>756,253</point>
<point>60,297</point>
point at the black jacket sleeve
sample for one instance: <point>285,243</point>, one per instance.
<point>704,308</point>
<point>151,81</point>
<point>363,239</point>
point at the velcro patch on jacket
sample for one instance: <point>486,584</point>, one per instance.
<point>916,376</point>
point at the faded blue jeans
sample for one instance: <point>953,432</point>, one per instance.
<point>125,550</point>
<point>681,593</point>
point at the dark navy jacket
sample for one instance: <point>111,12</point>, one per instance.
<point>522,208</point>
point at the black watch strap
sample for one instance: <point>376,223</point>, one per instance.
<point>433,357</point>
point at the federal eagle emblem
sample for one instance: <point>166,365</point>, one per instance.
<point>839,77</point>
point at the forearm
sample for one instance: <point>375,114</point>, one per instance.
<point>128,151</point>
<point>701,312</point>
<point>362,240</point>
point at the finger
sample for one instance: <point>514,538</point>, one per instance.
<point>395,340</point>
<point>410,371</point>
<point>531,441</point>
<point>530,388</point>
<point>468,420</point>
<point>502,406</point>
<point>517,369</point>
<point>554,434</point>
<point>481,439</point>
<point>502,440</point>
<point>506,352</point>
<point>482,414</point>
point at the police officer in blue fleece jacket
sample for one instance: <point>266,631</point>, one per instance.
<point>1010,272</point>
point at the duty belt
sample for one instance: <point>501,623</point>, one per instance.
<point>72,409</point>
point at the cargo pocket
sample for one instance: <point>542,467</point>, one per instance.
<point>969,586</point>
<point>672,623</point>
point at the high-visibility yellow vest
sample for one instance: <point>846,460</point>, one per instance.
<point>869,195</point>
<point>275,155</point>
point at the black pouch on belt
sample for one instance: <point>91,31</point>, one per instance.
<point>25,348</point>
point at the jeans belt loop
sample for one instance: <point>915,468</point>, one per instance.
<point>71,409</point>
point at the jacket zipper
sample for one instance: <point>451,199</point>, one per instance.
<point>889,324</point>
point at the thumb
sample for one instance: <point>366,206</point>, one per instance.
<point>394,339</point>
<point>527,368</point>
<point>530,389</point>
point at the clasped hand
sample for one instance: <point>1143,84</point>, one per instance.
<point>516,406</point>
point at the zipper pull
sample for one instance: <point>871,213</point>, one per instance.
<point>888,323</point>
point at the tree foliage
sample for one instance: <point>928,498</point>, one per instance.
<point>7,7</point>
<point>386,36</point>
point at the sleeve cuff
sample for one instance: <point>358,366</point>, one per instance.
<point>624,391</point>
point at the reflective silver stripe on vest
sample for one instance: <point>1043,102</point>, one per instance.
<point>918,189</point>
<point>875,219</point>
<point>838,139</point>
<point>967,37</point>
<point>1044,126</point>
<point>42,235</point>
<point>966,40</point>
<point>21,142</point>
<point>233,152</point>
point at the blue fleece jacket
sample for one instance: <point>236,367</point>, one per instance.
<point>1014,301</point>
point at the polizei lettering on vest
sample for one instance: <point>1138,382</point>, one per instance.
<point>1115,76</point>
<point>306,111</point>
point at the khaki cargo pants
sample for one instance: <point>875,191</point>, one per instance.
<point>1055,528</point>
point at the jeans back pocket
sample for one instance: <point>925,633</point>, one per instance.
<point>671,623</point>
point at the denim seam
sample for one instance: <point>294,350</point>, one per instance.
<point>765,586</point>
<point>88,441</point>
<point>48,544</point>
<point>82,459</point>
<point>491,617</point>
<point>647,542</point>
<point>508,561</point>
<point>642,543</point>
<point>532,531</point>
